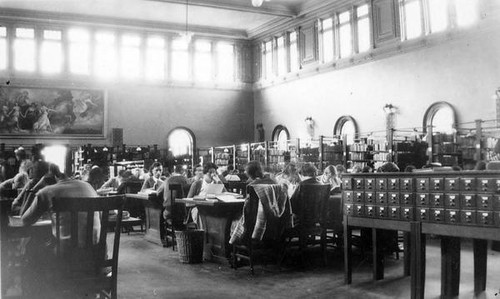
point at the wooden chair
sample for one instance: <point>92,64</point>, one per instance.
<point>177,214</point>
<point>82,268</point>
<point>311,216</point>
<point>133,206</point>
<point>333,221</point>
<point>248,248</point>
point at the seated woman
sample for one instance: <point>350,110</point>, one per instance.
<point>289,177</point>
<point>113,183</point>
<point>330,177</point>
<point>96,177</point>
<point>155,179</point>
<point>199,187</point>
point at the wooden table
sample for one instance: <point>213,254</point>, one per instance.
<point>154,228</point>
<point>216,218</point>
<point>378,265</point>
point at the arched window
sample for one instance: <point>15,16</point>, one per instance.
<point>281,136</point>
<point>180,142</point>
<point>441,117</point>
<point>346,126</point>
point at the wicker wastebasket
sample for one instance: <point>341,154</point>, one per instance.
<point>190,245</point>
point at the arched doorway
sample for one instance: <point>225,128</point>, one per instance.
<point>346,127</point>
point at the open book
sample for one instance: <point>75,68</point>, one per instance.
<point>230,197</point>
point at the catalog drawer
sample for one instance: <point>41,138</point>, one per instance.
<point>422,199</point>
<point>468,201</point>
<point>422,184</point>
<point>436,184</point>
<point>369,197</point>
<point>468,184</point>
<point>370,184</point>
<point>347,196</point>
<point>381,198</point>
<point>452,216</point>
<point>452,201</point>
<point>406,184</point>
<point>393,198</point>
<point>381,184</point>
<point>468,217</point>
<point>451,184</point>
<point>436,200</point>
<point>407,199</point>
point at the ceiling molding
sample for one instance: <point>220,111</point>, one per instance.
<point>267,9</point>
<point>309,13</point>
<point>22,15</point>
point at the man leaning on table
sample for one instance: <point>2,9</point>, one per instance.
<point>41,256</point>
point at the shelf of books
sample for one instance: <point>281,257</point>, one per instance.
<point>242,156</point>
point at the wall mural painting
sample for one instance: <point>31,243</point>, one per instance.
<point>52,112</point>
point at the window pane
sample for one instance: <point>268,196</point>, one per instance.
<point>203,60</point>
<point>413,18</point>
<point>362,11</point>
<point>25,32</point>
<point>225,60</point>
<point>3,48</point>
<point>438,10</point>
<point>364,35</point>
<point>269,59</point>
<point>345,34</point>
<point>180,59</point>
<point>105,55</point>
<point>467,12</point>
<point>327,26</point>
<point>51,57</point>
<point>52,34</point>
<point>24,50</point>
<point>281,56</point>
<point>79,51</point>
<point>155,58</point>
<point>130,56</point>
<point>294,65</point>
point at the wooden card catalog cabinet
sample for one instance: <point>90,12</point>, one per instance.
<point>308,44</point>
<point>385,21</point>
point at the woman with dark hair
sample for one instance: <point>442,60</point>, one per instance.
<point>289,177</point>
<point>155,179</point>
<point>330,177</point>
<point>255,174</point>
<point>209,177</point>
<point>96,177</point>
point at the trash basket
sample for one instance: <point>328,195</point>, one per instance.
<point>190,245</point>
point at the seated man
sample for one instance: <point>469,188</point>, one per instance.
<point>41,255</point>
<point>307,174</point>
<point>176,177</point>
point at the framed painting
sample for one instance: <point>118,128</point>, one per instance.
<point>52,112</point>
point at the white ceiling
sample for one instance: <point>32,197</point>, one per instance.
<point>225,17</point>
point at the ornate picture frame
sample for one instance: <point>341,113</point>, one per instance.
<point>52,112</point>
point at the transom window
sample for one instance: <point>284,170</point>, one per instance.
<point>105,54</point>
<point>294,56</point>
<point>327,30</point>
<point>3,48</point>
<point>79,51</point>
<point>280,41</point>
<point>155,58</point>
<point>130,62</point>
<point>363,22</point>
<point>268,59</point>
<point>51,52</point>
<point>412,15</point>
<point>345,35</point>
<point>438,15</point>
<point>180,59</point>
<point>225,52</point>
<point>203,60</point>
<point>24,50</point>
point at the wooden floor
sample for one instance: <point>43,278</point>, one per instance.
<point>147,270</point>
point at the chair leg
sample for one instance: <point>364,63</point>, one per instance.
<point>235,258</point>
<point>323,246</point>
<point>250,258</point>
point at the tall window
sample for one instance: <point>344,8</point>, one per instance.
<point>51,52</point>
<point>155,58</point>
<point>268,58</point>
<point>180,59</point>
<point>180,142</point>
<point>466,12</point>
<point>327,30</point>
<point>281,55</point>
<point>79,51</point>
<point>345,35</point>
<point>225,62</point>
<point>203,60</point>
<point>105,55</point>
<point>24,50</point>
<point>363,23</point>
<point>438,15</point>
<point>412,18</point>
<point>130,62</point>
<point>3,48</point>
<point>294,57</point>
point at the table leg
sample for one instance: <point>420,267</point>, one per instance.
<point>417,248</point>
<point>378,256</point>
<point>450,267</point>
<point>407,253</point>
<point>480,265</point>
<point>347,253</point>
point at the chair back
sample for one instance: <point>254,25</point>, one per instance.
<point>237,187</point>
<point>250,209</point>
<point>81,214</point>
<point>130,187</point>
<point>334,213</point>
<point>312,204</point>
<point>177,209</point>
